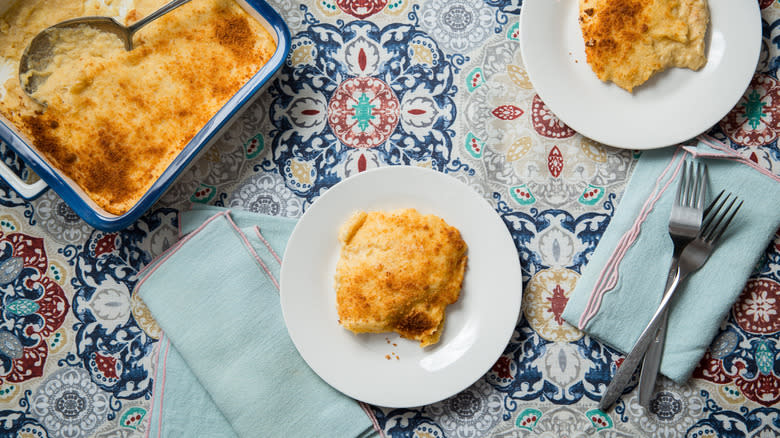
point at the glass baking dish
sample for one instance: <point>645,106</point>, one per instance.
<point>85,207</point>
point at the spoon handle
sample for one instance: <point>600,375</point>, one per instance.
<point>162,11</point>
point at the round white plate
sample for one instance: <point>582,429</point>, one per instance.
<point>672,107</point>
<point>477,327</point>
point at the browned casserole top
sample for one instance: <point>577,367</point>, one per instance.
<point>115,120</point>
<point>628,41</point>
<point>398,271</point>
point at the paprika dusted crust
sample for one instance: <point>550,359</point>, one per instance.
<point>397,272</point>
<point>628,41</point>
<point>114,119</point>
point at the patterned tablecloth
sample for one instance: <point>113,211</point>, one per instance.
<point>449,91</point>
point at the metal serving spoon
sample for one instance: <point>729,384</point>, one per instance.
<point>39,52</point>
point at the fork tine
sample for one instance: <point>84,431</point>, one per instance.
<point>713,214</point>
<point>713,203</point>
<point>702,186</point>
<point>728,221</point>
<point>679,199</point>
<point>691,183</point>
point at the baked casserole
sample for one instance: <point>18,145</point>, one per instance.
<point>397,272</point>
<point>115,120</point>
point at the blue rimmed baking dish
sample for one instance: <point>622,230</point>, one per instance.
<point>88,209</point>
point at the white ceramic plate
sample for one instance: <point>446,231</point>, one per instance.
<point>672,107</point>
<point>477,327</point>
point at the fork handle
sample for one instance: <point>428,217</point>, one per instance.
<point>624,372</point>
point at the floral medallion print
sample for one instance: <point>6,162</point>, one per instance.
<point>113,348</point>
<point>459,25</point>
<point>546,123</point>
<point>369,83</point>
<point>748,366</point>
<point>545,298</point>
<point>526,152</point>
<point>549,421</point>
<point>757,309</point>
<point>34,306</point>
<point>359,96</point>
<point>265,193</point>
<point>69,404</point>
<point>672,409</point>
<point>363,112</point>
<point>59,220</point>
<point>755,120</point>
<point>471,413</point>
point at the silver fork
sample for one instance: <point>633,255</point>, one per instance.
<point>684,225</point>
<point>692,258</point>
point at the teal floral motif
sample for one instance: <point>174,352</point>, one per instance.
<point>132,418</point>
<point>22,307</point>
<point>254,146</point>
<point>591,195</point>
<point>514,32</point>
<point>764,358</point>
<point>474,146</point>
<point>599,419</point>
<point>203,194</point>
<point>528,419</point>
<point>363,111</point>
<point>522,194</point>
<point>475,79</point>
<point>753,109</point>
<point>755,120</point>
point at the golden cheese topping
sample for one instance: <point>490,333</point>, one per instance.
<point>627,41</point>
<point>114,119</point>
<point>397,272</point>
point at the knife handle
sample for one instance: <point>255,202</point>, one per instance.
<point>652,364</point>
<point>624,372</point>
<point>652,361</point>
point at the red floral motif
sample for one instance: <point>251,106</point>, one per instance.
<point>760,387</point>
<point>501,368</point>
<point>48,296</point>
<point>546,123</point>
<point>555,162</point>
<point>361,8</point>
<point>363,112</point>
<point>507,112</point>
<point>106,364</point>
<point>757,309</point>
<point>709,369</point>
<point>30,365</point>
<point>105,244</point>
<point>557,303</point>
<point>765,3</point>
<point>755,120</point>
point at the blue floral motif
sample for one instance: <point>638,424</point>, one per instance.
<point>115,350</point>
<point>758,422</point>
<point>588,228</point>
<point>8,196</point>
<point>17,423</point>
<point>357,96</point>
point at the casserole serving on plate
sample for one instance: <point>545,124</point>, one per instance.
<point>118,127</point>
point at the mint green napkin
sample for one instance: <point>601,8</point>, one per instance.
<point>622,284</point>
<point>226,365</point>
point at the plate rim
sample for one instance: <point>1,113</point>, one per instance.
<point>514,308</point>
<point>638,142</point>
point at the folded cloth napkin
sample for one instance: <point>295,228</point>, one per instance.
<point>226,365</point>
<point>622,284</point>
